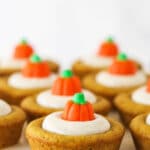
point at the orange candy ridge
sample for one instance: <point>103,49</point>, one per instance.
<point>36,68</point>
<point>78,109</point>
<point>23,50</point>
<point>148,85</point>
<point>108,48</point>
<point>123,66</point>
<point>66,84</point>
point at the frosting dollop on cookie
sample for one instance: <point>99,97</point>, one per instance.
<point>148,119</point>
<point>78,118</point>
<point>142,95</point>
<point>5,109</point>
<point>122,73</point>
<point>35,74</point>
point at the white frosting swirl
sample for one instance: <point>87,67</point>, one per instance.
<point>97,61</point>
<point>11,63</point>
<point>141,96</point>
<point>5,109</point>
<point>47,99</point>
<point>148,119</point>
<point>125,81</point>
<point>54,123</point>
<point>17,80</point>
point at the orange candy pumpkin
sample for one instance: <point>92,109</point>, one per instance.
<point>23,50</point>
<point>123,66</point>
<point>35,67</point>
<point>148,86</point>
<point>108,48</point>
<point>66,84</point>
<point>78,109</point>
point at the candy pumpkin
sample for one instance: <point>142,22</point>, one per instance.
<point>108,48</point>
<point>148,86</point>
<point>36,68</point>
<point>66,84</point>
<point>78,109</point>
<point>23,50</point>
<point>123,66</point>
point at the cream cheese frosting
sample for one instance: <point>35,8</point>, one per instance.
<point>141,96</point>
<point>148,119</point>
<point>97,61</point>
<point>17,80</point>
<point>54,123</point>
<point>5,109</point>
<point>11,63</point>
<point>47,99</point>
<point>117,81</point>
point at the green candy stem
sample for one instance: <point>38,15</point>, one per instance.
<point>79,98</point>
<point>35,58</point>
<point>24,41</point>
<point>122,57</point>
<point>110,40</point>
<point>67,74</point>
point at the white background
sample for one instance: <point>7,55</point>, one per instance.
<point>68,28</point>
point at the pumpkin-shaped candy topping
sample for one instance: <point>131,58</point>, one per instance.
<point>108,48</point>
<point>23,50</point>
<point>78,109</point>
<point>123,66</point>
<point>148,85</point>
<point>66,85</point>
<point>36,68</point>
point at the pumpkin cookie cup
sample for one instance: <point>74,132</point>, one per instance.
<point>107,138</point>
<point>107,51</point>
<point>140,130</point>
<point>116,79</point>
<point>32,79</point>
<point>133,104</point>
<point>11,125</point>
<point>63,89</point>
<point>21,54</point>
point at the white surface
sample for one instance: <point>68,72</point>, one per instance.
<point>71,27</point>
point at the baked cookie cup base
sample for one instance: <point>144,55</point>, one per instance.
<point>40,139</point>
<point>11,126</point>
<point>140,132</point>
<point>7,71</point>
<point>14,95</point>
<point>53,66</point>
<point>81,69</point>
<point>129,109</point>
<point>102,106</point>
